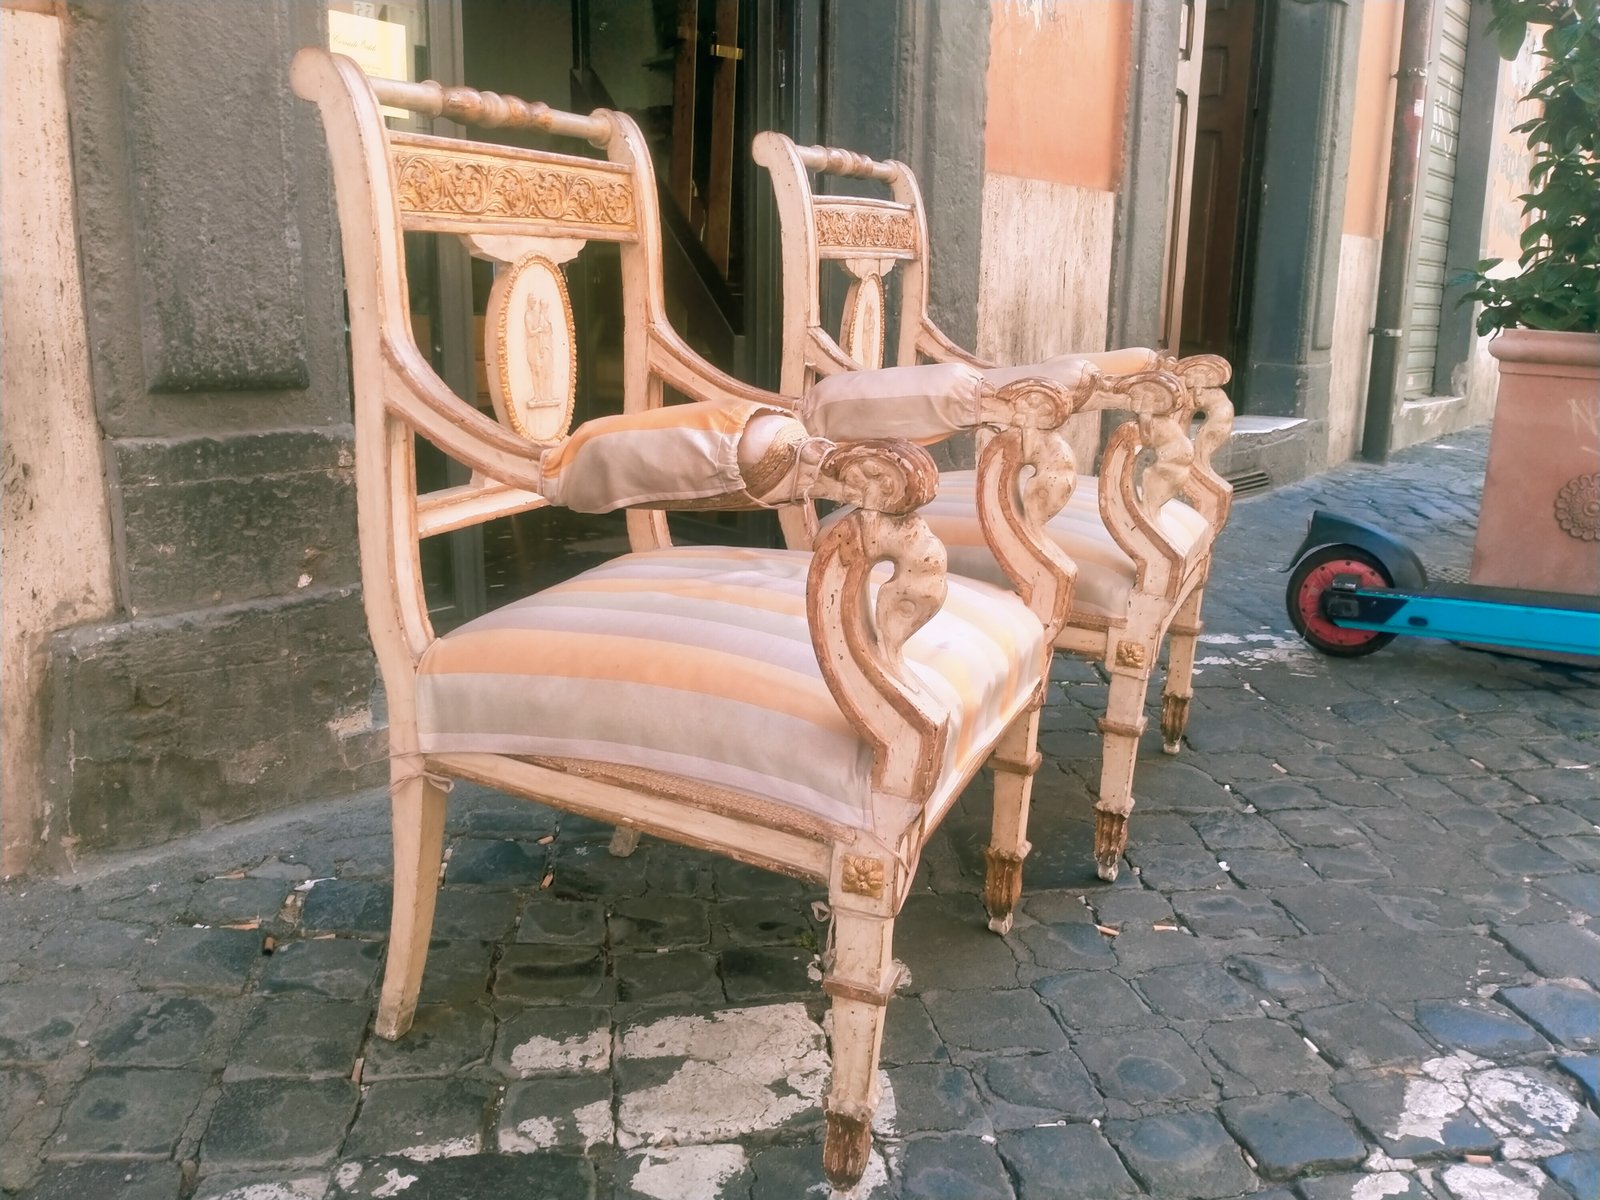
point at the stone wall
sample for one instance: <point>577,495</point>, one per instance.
<point>54,524</point>
<point>233,675</point>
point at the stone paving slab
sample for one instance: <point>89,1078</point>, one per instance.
<point>1355,953</point>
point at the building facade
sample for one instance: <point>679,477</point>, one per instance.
<point>184,641</point>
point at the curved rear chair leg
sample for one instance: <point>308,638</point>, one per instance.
<point>624,841</point>
<point>1015,761</point>
<point>416,805</point>
<point>859,981</point>
<point>1120,730</point>
<point>1179,689</point>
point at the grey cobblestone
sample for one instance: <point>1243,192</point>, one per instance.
<point>1392,859</point>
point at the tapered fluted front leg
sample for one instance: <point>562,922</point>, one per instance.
<point>417,808</point>
<point>1179,688</point>
<point>860,979</point>
<point>1120,729</point>
<point>1015,761</point>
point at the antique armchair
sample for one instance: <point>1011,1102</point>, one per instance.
<point>1140,533</point>
<point>814,713</point>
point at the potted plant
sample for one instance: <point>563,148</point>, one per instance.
<point>1539,524</point>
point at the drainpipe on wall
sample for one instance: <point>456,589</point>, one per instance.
<point>1405,155</point>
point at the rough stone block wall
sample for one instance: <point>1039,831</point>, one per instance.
<point>235,675</point>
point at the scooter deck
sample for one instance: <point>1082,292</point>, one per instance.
<point>1511,617</point>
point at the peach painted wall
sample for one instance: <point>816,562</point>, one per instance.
<point>1374,118</point>
<point>1058,84</point>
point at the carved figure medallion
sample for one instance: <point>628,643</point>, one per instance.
<point>1578,507</point>
<point>862,334</point>
<point>533,369</point>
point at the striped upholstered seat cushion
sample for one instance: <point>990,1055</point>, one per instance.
<point>1105,573</point>
<point>698,662</point>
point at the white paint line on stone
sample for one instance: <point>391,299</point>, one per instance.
<point>884,1118</point>
<point>296,1189</point>
<point>1489,1183</point>
<point>747,1069</point>
<point>594,1123</point>
<point>714,1101</point>
<point>874,1177</point>
<point>688,1172</point>
<point>1376,1187</point>
<point>530,1136</point>
<point>590,1052</point>
<point>1378,1161</point>
<point>393,1184</point>
<point>1433,1100</point>
<point>1518,1106</point>
<point>427,1152</point>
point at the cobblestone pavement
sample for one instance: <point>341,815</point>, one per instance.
<point>1354,956</point>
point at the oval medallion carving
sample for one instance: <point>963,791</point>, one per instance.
<point>1578,507</point>
<point>531,350</point>
<point>862,335</point>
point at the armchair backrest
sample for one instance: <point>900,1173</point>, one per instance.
<point>869,238</point>
<point>529,212</point>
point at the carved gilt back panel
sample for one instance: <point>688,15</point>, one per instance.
<point>879,243</point>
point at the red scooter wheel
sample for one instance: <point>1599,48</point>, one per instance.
<point>1313,575</point>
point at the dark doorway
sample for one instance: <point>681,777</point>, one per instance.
<point>1226,172</point>
<point>700,76</point>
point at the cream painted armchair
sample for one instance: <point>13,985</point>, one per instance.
<point>813,713</point>
<point>1140,533</point>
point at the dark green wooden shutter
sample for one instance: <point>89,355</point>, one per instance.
<point>1442,131</point>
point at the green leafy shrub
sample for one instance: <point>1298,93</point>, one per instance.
<point>1558,285</point>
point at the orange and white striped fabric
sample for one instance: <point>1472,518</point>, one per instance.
<point>1105,574</point>
<point>699,662</point>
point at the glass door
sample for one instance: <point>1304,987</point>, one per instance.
<point>681,69</point>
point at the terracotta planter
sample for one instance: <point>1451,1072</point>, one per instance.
<point>1539,526</point>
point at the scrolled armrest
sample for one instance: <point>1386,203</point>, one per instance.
<point>1026,475</point>
<point>1134,492</point>
<point>860,640</point>
<point>1205,375</point>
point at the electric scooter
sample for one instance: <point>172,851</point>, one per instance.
<point>1353,589</point>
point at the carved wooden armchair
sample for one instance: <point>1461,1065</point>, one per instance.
<point>1140,533</point>
<point>814,713</point>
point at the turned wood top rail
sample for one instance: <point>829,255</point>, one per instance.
<point>847,162</point>
<point>488,109</point>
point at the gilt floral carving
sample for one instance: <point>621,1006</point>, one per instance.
<point>462,185</point>
<point>862,875</point>
<point>1130,654</point>
<point>865,229</point>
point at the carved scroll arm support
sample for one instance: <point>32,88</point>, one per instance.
<point>678,366</point>
<point>859,640</point>
<point>1205,376</point>
<point>423,401</point>
<point>1133,494</point>
<point>935,345</point>
<point>826,356</point>
<point>1026,475</point>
